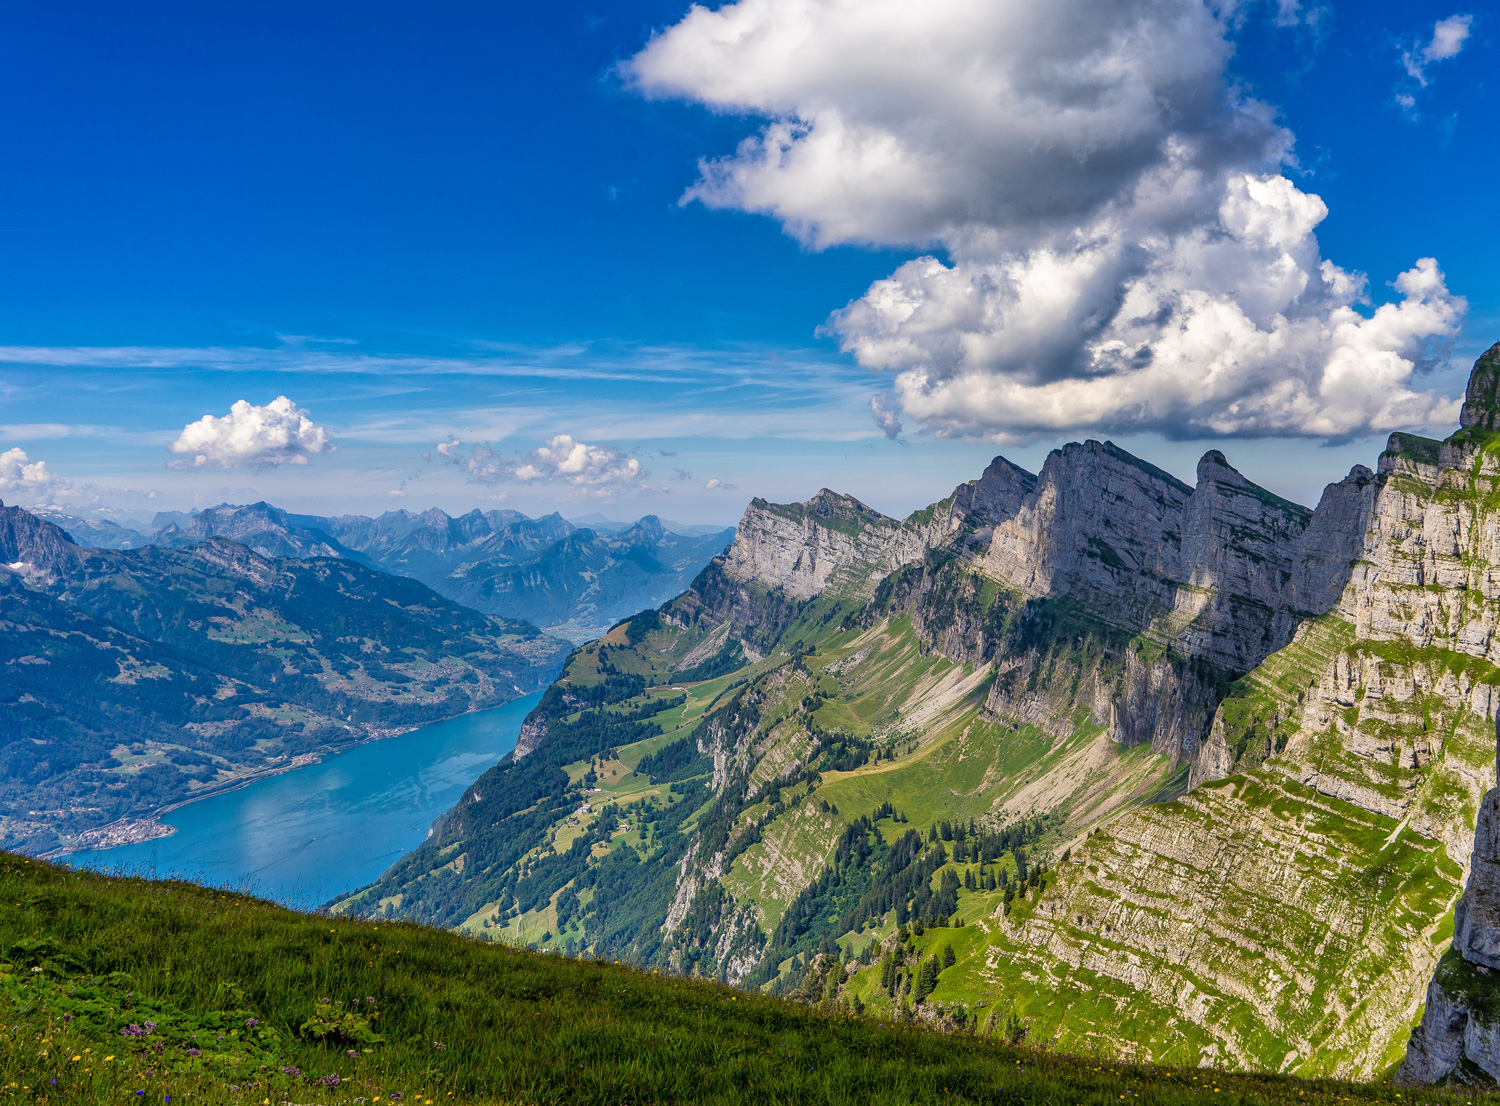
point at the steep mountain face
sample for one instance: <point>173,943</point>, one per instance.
<point>133,679</point>
<point>576,583</point>
<point>1185,773</point>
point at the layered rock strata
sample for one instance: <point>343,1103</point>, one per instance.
<point>1460,1027</point>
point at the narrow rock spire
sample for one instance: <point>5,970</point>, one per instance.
<point>1482,398</point>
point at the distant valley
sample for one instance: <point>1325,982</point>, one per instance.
<point>133,679</point>
<point>1186,773</point>
<point>574,579</point>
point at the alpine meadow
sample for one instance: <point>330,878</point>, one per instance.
<point>750,552</point>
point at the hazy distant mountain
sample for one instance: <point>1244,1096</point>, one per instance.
<point>429,545</point>
<point>573,581</point>
<point>133,678</point>
<point>580,586</point>
<point>259,526</point>
<point>596,521</point>
<point>101,533</point>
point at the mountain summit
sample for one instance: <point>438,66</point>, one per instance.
<point>1184,772</point>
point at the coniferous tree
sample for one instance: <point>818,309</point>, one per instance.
<point>926,978</point>
<point>949,959</point>
<point>835,977</point>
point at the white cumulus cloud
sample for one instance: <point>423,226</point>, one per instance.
<point>562,459</point>
<point>32,480</point>
<point>1116,245</point>
<point>280,433</point>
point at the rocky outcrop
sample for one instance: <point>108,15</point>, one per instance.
<point>1460,1025</point>
<point>1333,541</point>
<point>1219,571</point>
<point>835,543</point>
<point>804,549</point>
<point>34,542</point>
<point>1481,409</point>
<point>1205,581</point>
<point>533,730</point>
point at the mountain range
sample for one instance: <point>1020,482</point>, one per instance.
<point>575,581</point>
<point>134,679</point>
<point>1187,774</point>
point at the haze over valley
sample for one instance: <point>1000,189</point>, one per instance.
<point>750,553</point>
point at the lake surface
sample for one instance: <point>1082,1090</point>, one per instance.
<point>308,835</point>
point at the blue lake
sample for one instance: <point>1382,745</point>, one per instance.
<point>308,835</point>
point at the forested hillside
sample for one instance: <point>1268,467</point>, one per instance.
<point>134,679</point>
<point>574,581</point>
<point>1187,773</point>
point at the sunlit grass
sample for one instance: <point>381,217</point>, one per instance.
<point>266,997</point>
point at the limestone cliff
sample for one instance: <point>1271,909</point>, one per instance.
<point>1460,1027</point>
<point>1185,588</point>
<point>1250,739</point>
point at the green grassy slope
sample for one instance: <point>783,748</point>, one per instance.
<point>807,797</point>
<point>238,1001</point>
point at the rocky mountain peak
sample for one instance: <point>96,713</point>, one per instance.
<point>1213,465</point>
<point>1481,409</point>
<point>997,494</point>
<point>834,506</point>
<point>24,538</point>
<point>1077,458</point>
<point>647,529</point>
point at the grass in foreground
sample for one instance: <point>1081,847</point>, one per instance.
<point>128,991</point>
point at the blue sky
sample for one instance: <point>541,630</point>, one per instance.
<point>460,223</point>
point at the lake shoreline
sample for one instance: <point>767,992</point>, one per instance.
<point>133,829</point>
<point>318,824</point>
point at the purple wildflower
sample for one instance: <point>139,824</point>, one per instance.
<point>289,1070</point>
<point>352,1054</point>
<point>192,1052</point>
<point>150,1026</point>
<point>251,1023</point>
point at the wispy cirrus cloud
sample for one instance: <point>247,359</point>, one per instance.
<point>1446,42</point>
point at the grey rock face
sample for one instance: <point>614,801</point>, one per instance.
<point>28,540</point>
<point>1221,574</point>
<point>1452,1030</point>
<point>1438,1043</point>
<point>1481,409</point>
<point>1333,541</point>
<point>804,549</point>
